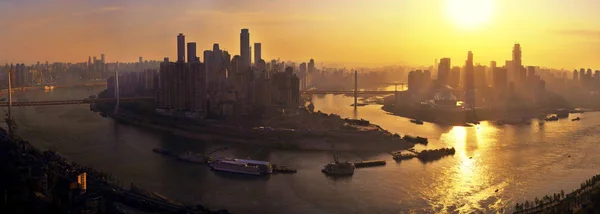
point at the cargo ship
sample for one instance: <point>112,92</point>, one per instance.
<point>234,166</point>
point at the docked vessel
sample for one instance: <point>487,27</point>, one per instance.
<point>415,121</point>
<point>339,169</point>
<point>264,166</point>
<point>231,165</point>
<point>551,118</point>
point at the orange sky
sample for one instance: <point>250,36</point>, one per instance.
<point>553,33</point>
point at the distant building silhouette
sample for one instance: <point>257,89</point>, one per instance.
<point>469,81</point>
<point>180,48</point>
<point>191,52</point>
<point>245,49</point>
<point>444,69</point>
<point>455,77</point>
<point>257,52</point>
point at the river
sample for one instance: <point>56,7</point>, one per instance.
<point>521,162</point>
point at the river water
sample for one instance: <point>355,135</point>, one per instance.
<point>520,162</point>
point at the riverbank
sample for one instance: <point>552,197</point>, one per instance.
<point>296,130</point>
<point>352,137</point>
<point>461,118</point>
<point>37,181</point>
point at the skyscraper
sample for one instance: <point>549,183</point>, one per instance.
<point>517,64</point>
<point>245,49</point>
<point>257,53</point>
<point>191,52</point>
<point>180,48</point>
<point>470,81</point>
<point>444,71</point>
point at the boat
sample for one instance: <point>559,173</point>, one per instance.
<point>415,121</point>
<point>576,119</point>
<point>339,169</point>
<point>369,163</point>
<point>231,165</point>
<point>551,118</point>
<point>264,166</point>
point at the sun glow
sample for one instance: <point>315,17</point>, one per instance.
<point>470,13</point>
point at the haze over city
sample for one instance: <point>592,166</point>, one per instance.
<point>558,34</point>
<point>281,106</point>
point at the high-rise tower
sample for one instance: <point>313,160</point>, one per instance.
<point>245,48</point>
<point>257,53</point>
<point>191,52</point>
<point>180,48</point>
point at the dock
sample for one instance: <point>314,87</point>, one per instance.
<point>369,163</point>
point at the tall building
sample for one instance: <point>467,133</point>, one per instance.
<point>469,81</point>
<point>531,76</point>
<point>575,76</point>
<point>582,77</point>
<point>500,78</point>
<point>180,48</point>
<point>303,75</point>
<point>245,49</point>
<point>517,64</point>
<point>191,52</point>
<point>589,77</point>
<point>444,71</point>
<point>479,76</point>
<point>455,77</point>
<point>181,87</point>
<point>257,53</point>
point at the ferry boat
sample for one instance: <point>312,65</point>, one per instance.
<point>231,165</point>
<point>264,166</point>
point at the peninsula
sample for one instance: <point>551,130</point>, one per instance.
<point>300,129</point>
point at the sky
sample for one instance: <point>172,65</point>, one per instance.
<point>552,33</point>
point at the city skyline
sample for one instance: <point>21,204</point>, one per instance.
<point>299,31</point>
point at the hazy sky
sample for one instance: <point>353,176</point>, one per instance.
<point>554,33</point>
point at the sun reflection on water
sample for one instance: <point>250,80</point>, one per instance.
<point>468,182</point>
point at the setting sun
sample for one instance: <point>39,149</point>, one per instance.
<point>470,13</point>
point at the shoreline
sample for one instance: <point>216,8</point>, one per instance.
<point>464,118</point>
<point>49,166</point>
<point>342,140</point>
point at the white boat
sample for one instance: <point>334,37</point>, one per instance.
<point>231,165</point>
<point>264,166</point>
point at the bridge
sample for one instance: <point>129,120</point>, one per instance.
<point>72,102</point>
<point>347,92</point>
